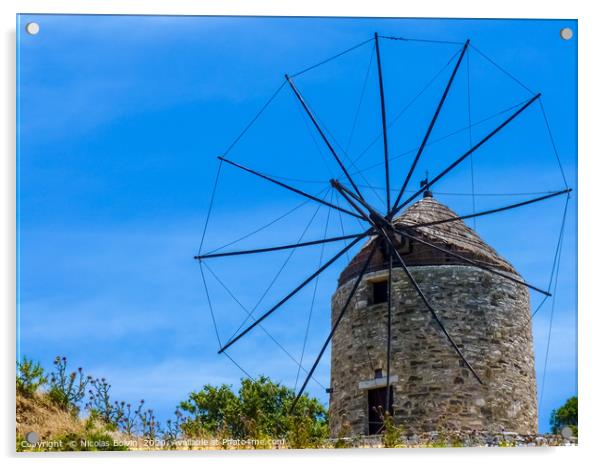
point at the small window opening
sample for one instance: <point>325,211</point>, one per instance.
<point>380,292</point>
<point>378,374</point>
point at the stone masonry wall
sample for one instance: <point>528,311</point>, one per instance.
<point>488,317</point>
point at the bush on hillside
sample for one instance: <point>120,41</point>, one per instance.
<point>30,377</point>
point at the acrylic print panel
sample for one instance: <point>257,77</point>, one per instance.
<point>295,232</point>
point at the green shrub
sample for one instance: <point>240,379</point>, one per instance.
<point>30,377</point>
<point>565,416</point>
<point>392,434</point>
<point>307,425</point>
<point>261,410</point>
<point>211,410</point>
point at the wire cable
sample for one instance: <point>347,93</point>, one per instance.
<point>239,366</point>
<point>442,138</point>
<point>553,306</point>
<point>361,100</point>
<point>210,208</point>
<point>323,62</point>
<point>244,308</point>
<point>410,39</point>
<point>543,112</point>
<point>556,260</point>
<point>267,225</point>
<point>286,261</point>
<point>407,106</point>
<point>503,70</point>
<point>254,119</point>
<point>402,154</point>
<point>470,142</point>
<point>313,297</point>
<point>219,341</point>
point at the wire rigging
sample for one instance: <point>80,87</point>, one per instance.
<point>244,308</point>
<point>336,200</point>
<point>442,138</point>
<point>470,143</point>
<point>219,341</point>
<point>239,366</point>
<point>556,260</point>
<point>554,269</point>
<point>370,358</point>
<point>210,208</point>
<point>267,225</point>
<point>323,62</point>
<point>553,307</point>
<point>284,264</point>
<point>543,112</point>
<point>469,194</point>
<point>406,107</point>
<point>314,140</point>
<point>254,119</point>
<point>321,124</point>
<point>502,69</point>
<point>211,310</point>
<point>402,154</point>
<point>429,128</point>
<point>410,39</point>
<point>352,163</point>
<point>313,297</point>
<point>361,100</point>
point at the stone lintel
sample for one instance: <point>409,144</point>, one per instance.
<point>377,383</point>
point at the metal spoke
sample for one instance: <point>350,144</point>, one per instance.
<point>278,248</point>
<point>346,195</point>
<point>374,218</point>
<point>336,324</point>
<point>383,115</point>
<point>286,186</point>
<point>492,211</point>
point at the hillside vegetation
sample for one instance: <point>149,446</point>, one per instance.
<point>69,410</point>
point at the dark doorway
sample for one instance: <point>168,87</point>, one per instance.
<point>377,400</point>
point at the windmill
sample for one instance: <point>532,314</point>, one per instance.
<point>386,234</point>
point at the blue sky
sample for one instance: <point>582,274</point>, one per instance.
<point>120,122</point>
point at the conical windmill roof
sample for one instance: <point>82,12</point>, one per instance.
<point>454,236</point>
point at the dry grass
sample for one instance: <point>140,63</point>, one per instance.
<point>56,428</point>
<point>38,414</point>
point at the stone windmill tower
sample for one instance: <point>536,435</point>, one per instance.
<point>430,388</point>
<point>429,323</point>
